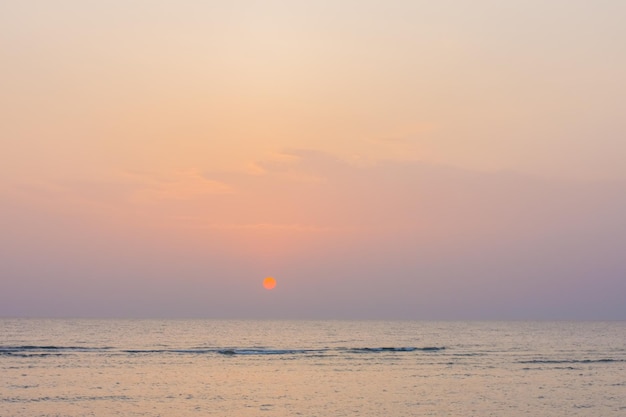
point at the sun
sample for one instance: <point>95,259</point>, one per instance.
<point>269,283</point>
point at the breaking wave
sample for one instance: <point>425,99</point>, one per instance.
<point>395,349</point>
<point>46,350</point>
<point>29,350</point>
<point>568,361</point>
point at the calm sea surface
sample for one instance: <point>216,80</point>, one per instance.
<point>311,368</point>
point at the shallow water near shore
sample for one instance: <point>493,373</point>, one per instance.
<point>311,368</point>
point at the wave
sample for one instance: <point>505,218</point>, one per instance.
<point>265,351</point>
<point>562,361</point>
<point>225,351</point>
<point>395,349</point>
<point>47,350</point>
<point>327,350</point>
<point>31,350</point>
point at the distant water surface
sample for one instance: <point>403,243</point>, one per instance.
<point>311,368</point>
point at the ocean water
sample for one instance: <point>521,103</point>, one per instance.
<point>311,368</point>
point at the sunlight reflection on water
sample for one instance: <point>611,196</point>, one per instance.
<point>327,368</point>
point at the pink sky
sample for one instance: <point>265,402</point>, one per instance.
<point>381,160</point>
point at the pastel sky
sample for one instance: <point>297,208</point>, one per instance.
<point>381,159</point>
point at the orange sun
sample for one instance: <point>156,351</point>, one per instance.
<point>269,283</point>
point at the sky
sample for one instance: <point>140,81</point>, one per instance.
<point>381,159</point>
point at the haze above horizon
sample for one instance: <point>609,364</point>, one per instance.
<point>403,159</point>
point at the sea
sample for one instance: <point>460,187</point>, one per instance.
<point>144,368</point>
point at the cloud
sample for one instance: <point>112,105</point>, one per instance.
<point>386,239</point>
<point>391,195</point>
<point>182,185</point>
